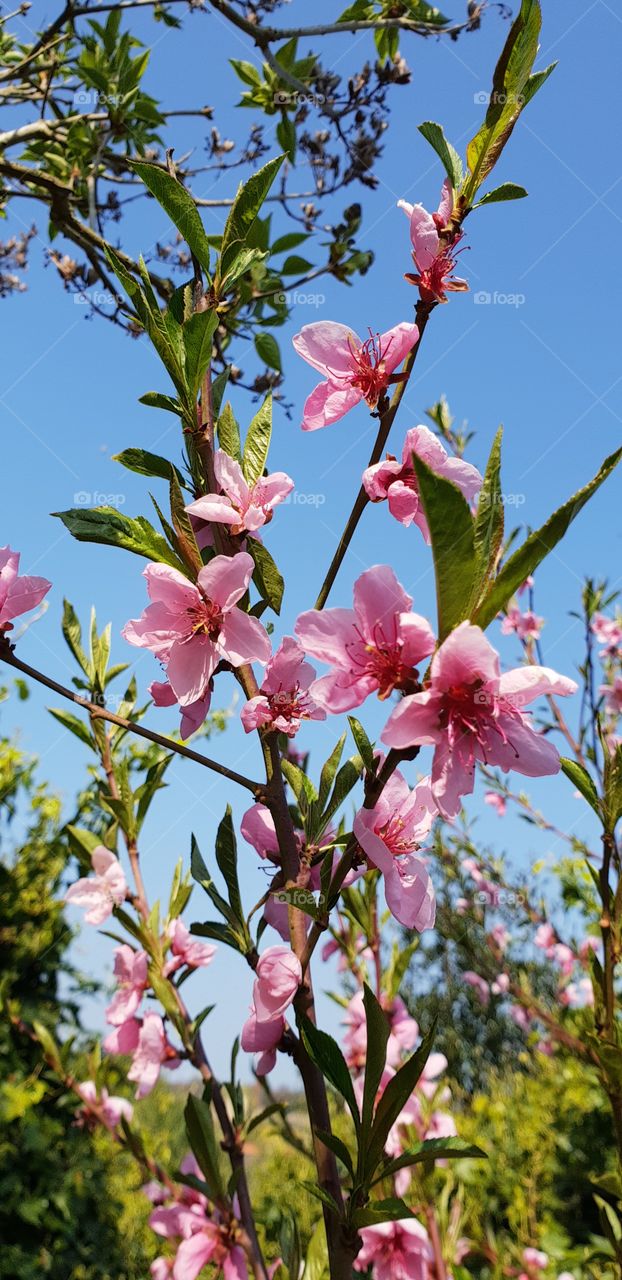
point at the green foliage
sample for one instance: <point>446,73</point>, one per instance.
<point>58,1219</point>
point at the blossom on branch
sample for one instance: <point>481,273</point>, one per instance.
<point>245,508</point>
<point>389,834</point>
<point>130,971</point>
<point>17,594</point>
<point>191,627</point>
<point>397,483</point>
<point>284,700</point>
<point>434,254</point>
<point>374,647</point>
<point>353,370</point>
<point>471,712</point>
<point>192,716</point>
<point>104,891</point>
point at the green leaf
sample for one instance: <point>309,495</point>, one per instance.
<point>453,545</point>
<point>267,579</point>
<point>329,770</point>
<point>612,784</point>
<point>286,136</point>
<point>339,1148</point>
<point>346,779</point>
<point>289,241</point>
<point>180,207</point>
<point>145,463</point>
<point>391,1210</point>
<point>321,1194</point>
<point>107,526</point>
<point>219,386</point>
<point>229,433</point>
<point>74,725</point>
<point>157,400</point>
<point>511,90</point>
<point>489,521</point>
<point>257,443</point>
<point>202,1139</point>
<point>185,540</point>
<point>247,203</point>
<point>507,191</point>
<point>198,333</point>
<point>72,631</point>
<point>267,349</point>
<point>581,779</point>
<point>447,154</point>
<point>538,545</point>
<point>430,1149</point>
<point>316,1262</point>
<point>227,859</point>
<point>300,784</point>
<point>394,1098</point>
<point>327,1056</point>
<point>376,1054</point>
<point>364,746</point>
<point>200,873</point>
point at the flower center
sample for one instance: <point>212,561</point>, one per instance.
<point>206,619</point>
<point>370,376</point>
<point>288,703</point>
<point>381,658</point>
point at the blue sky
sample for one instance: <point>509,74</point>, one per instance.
<point>540,359</point>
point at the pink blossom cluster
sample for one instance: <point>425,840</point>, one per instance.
<point>278,976</point>
<point>197,1230</point>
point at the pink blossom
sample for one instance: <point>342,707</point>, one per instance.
<point>373,647</point>
<point>471,712</point>
<point>152,1050</point>
<point>500,937</point>
<point>501,985</point>
<point>403,1035</point>
<point>397,482</point>
<point>608,632</point>
<point>161,1269</point>
<point>578,995</point>
<point>612,693</point>
<point>17,595</point>
<point>262,1038</point>
<point>123,1039</point>
<point>395,1250</point>
<point>545,937</point>
<point>527,625</point>
<point>190,628</point>
<point>186,950</point>
<point>279,975</point>
<point>192,716</point>
<point>389,834</point>
<point>211,1243</point>
<point>130,971</point>
<point>353,370</point>
<point>104,891</point>
<point>479,985</point>
<point>284,700</point>
<point>110,1109</point>
<point>496,802</point>
<point>433,256</point>
<point>564,957</point>
<point>587,947</point>
<point>242,506</point>
<point>520,1016</point>
<point>257,827</point>
<point>535,1259</point>
<point>525,586</point>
